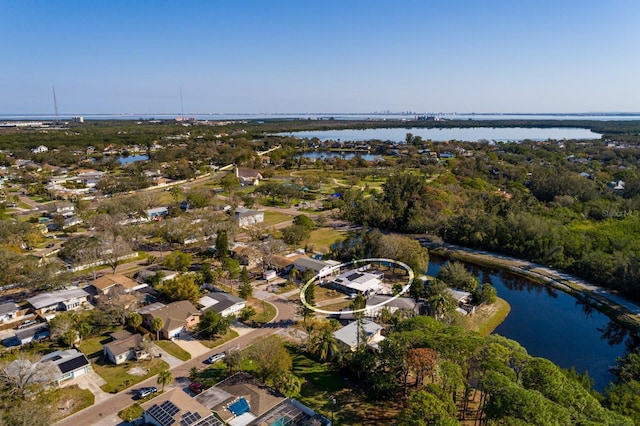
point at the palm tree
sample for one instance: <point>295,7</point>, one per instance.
<point>440,304</point>
<point>134,320</point>
<point>156,325</point>
<point>164,377</point>
<point>325,345</point>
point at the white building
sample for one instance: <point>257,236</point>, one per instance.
<point>246,217</point>
<point>354,281</point>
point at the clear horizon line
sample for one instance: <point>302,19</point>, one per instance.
<point>180,114</point>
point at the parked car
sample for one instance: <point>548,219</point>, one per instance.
<point>144,392</point>
<point>196,388</point>
<point>215,358</point>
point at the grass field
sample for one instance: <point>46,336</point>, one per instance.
<point>273,218</point>
<point>322,238</point>
<point>174,349</point>
<point>212,343</point>
<point>71,399</point>
<point>119,377</point>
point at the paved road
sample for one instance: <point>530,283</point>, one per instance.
<point>103,412</point>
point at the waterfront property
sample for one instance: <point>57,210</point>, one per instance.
<point>356,281</point>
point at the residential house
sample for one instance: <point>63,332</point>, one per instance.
<point>144,275</point>
<point>30,334</point>
<point>177,407</point>
<point>8,311</point>
<point>246,217</point>
<point>61,300</point>
<point>248,176</point>
<point>358,281</point>
<point>243,400</point>
<point>156,213</point>
<point>63,208</point>
<point>125,346</point>
<point>463,300</point>
<point>176,316</point>
<point>223,303</point>
<point>369,333</point>
<point>39,149</point>
<point>403,304</point>
<point>246,255</point>
<point>318,267</point>
<point>109,282</point>
<point>71,364</point>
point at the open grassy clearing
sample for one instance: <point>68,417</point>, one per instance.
<point>488,317</point>
<point>321,239</point>
<point>274,218</point>
<point>212,343</point>
<point>174,349</point>
<point>71,399</point>
<point>120,377</point>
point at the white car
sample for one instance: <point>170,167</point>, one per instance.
<point>215,358</point>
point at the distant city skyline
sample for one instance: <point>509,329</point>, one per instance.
<point>285,57</point>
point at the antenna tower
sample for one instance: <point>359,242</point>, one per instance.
<point>55,102</point>
<point>181,104</point>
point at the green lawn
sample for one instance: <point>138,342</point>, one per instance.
<point>220,340</point>
<point>322,238</point>
<point>92,347</point>
<point>174,349</point>
<point>131,413</point>
<point>71,399</point>
<point>273,218</point>
<point>265,311</point>
<point>118,377</point>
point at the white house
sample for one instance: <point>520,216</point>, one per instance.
<point>8,311</point>
<point>355,281</point>
<point>318,267</point>
<point>62,300</point>
<point>248,176</point>
<point>246,217</point>
<point>223,303</point>
<point>39,149</point>
<point>370,334</point>
<point>71,364</point>
<point>124,347</point>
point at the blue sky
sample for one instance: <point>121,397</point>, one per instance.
<point>319,56</point>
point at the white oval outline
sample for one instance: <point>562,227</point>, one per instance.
<point>405,289</point>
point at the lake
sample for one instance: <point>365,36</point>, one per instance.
<point>332,154</point>
<point>471,134</point>
<point>132,159</point>
<point>554,325</point>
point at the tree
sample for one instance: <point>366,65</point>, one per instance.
<point>295,234</point>
<point>26,376</point>
<point>222,245</point>
<point>156,325</point>
<point>325,344</point>
<point>271,357</point>
<point>424,408</point>
<point>183,287</point>
<point>304,221</point>
<point>246,290</point>
<point>456,275</point>
<point>212,324</point>
<point>486,293</point>
<point>246,313</point>
<point>178,261</point>
<point>288,384</point>
<point>134,320</point>
<point>64,327</point>
<point>164,377</point>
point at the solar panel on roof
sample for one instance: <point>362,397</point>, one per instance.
<point>189,418</point>
<point>73,363</point>
<point>170,408</point>
<point>354,276</point>
<point>161,415</point>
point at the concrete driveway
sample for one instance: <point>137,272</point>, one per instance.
<point>191,345</point>
<point>92,381</point>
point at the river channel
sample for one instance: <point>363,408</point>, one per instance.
<point>554,325</point>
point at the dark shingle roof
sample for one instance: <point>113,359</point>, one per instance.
<point>73,364</point>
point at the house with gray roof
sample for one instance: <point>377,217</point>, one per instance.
<point>62,300</point>
<point>8,311</point>
<point>246,217</point>
<point>368,333</point>
<point>71,364</point>
<point>223,303</point>
<point>318,267</point>
<point>124,347</point>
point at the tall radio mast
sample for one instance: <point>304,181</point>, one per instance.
<point>55,102</point>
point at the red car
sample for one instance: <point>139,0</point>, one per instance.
<point>196,388</point>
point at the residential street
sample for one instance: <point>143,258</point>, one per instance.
<point>105,412</point>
